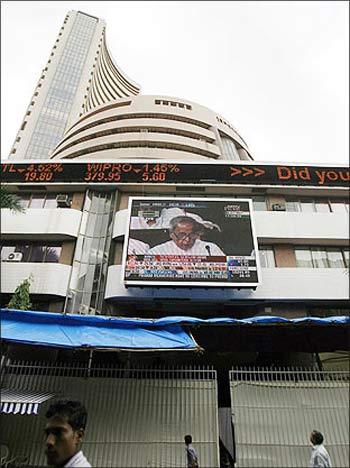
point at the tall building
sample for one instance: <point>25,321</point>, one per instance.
<point>152,207</point>
<point>79,75</point>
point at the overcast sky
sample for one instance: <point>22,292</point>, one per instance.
<point>278,71</point>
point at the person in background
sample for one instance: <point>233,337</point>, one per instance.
<point>191,453</point>
<point>64,433</point>
<point>137,247</point>
<point>319,456</point>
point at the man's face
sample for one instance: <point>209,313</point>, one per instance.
<point>183,235</point>
<point>62,440</point>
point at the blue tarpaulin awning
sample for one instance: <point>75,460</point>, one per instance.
<point>97,332</point>
<point>122,333</point>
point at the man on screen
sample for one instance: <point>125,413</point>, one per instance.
<point>185,234</point>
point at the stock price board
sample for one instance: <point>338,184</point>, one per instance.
<point>174,173</point>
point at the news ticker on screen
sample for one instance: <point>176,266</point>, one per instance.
<point>170,173</point>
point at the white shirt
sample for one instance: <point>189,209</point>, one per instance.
<point>192,456</point>
<point>78,461</point>
<point>199,248</point>
<point>320,457</point>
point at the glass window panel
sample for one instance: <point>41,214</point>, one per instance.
<point>81,276</point>
<point>303,258</point>
<point>95,203</point>
<point>37,201</point>
<point>50,201</point>
<point>86,249</point>
<point>338,206</point>
<point>319,257</point>
<point>90,227</point>
<point>267,257</point>
<point>53,253</point>
<point>307,205</point>
<point>292,205</point>
<point>322,206</point>
<point>346,255</point>
<point>37,253</point>
<point>98,225</point>
<point>335,258</point>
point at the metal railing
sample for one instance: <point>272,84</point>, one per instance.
<point>84,369</point>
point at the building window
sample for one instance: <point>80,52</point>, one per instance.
<point>307,205</point>
<point>318,205</point>
<point>335,258</point>
<point>173,104</point>
<point>303,258</point>
<point>39,200</point>
<point>229,148</point>
<point>339,206</point>
<point>267,256</point>
<point>322,206</point>
<point>321,257</point>
<point>31,252</point>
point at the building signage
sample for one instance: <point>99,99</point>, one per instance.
<point>190,242</point>
<point>170,173</point>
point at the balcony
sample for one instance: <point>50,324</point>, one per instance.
<point>49,278</point>
<point>40,224</point>
<point>307,228</point>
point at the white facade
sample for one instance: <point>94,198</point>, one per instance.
<point>152,127</point>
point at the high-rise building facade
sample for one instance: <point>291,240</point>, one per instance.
<point>79,75</point>
<point>120,173</point>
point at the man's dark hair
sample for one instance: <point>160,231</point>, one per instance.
<point>188,439</point>
<point>197,227</point>
<point>316,437</point>
<point>74,411</point>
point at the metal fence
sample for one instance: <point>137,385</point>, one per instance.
<point>136,417</point>
<point>274,411</point>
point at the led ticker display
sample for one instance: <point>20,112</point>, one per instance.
<point>190,242</point>
<point>170,173</point>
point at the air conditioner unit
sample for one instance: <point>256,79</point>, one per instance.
<point>63,201</point>
<point>15,257</point>
<point>278,207</point>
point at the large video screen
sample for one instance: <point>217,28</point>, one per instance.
<point>190,242</point>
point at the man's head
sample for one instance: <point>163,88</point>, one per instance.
<point>64,430</point>
<point>316,438</point>
<point>184,231</point>
<point>188,439</point>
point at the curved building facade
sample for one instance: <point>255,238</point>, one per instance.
<point>157,127</point>
<point>79,75</point>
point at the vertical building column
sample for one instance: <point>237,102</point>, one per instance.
<point>87,284</point>
<point>218,141</point>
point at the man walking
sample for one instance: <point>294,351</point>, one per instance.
<point>192,455</point>
<point>319,456</point>
<point>64,433</point>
